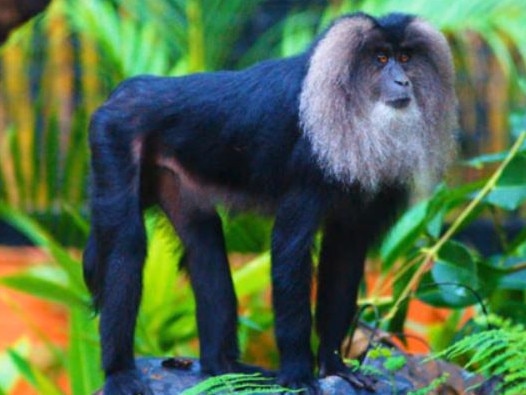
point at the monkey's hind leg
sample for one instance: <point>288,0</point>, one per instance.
<point>116,250</point>
<point>199,228</point>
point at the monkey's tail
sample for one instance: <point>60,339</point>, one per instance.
<point>116,249</point>
<point>90,267</point>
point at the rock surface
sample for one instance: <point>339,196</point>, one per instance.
<point>413,373</point>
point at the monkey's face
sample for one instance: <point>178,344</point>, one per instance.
<point>392,86</point>
<point>401,69</point>
<point>386,71</point>
<point>380,92</point>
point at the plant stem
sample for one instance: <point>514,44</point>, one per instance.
<point>492,182</point>
<point>428,255</point>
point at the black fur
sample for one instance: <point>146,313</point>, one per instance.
<point>236,133</point>
<point>395,24</point>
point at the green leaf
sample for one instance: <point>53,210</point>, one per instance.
<point>254,276</point>
<point>435,225</point>
<point>455,265</point>
<point>41,238</point>
<point>396,324</point>
<point>510,191</point>
<point>84,368</point>
<point>507,198</point>
<point>512,309</point>
<point>34,376</point>
<point>246,233</point>
<point>514,174</point>
<point>42,282</point>
<point>479,161</point>
<point>504,275</point>
<point>395,363</point>
<point>404,233</point>
<point>9,371</point>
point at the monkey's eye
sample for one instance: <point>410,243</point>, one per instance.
<point>382,57</point>
<point>404,57</point>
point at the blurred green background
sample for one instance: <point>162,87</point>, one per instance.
<point>57,68</point>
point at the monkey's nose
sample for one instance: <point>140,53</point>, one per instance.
<point>402,82</point>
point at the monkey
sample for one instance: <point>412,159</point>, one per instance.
<point>333,139</point>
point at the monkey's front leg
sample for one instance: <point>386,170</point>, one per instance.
<point>296,223</point>
<point>339,274</point>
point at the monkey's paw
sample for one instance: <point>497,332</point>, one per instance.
<point>357,379</point>
<point>305,386</point>
<point>127,382</point>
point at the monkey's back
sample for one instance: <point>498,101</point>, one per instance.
<point>229,129</point>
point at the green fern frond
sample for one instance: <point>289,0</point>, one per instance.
<point>240,384</point>
<point>495,352</point>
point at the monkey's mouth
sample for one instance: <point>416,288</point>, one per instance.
<point>399,103</point>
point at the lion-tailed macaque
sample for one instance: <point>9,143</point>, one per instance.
<point>332,139</point>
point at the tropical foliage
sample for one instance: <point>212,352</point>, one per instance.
<point>58,68</point>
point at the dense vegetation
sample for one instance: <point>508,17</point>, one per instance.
<point>58,68</point>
